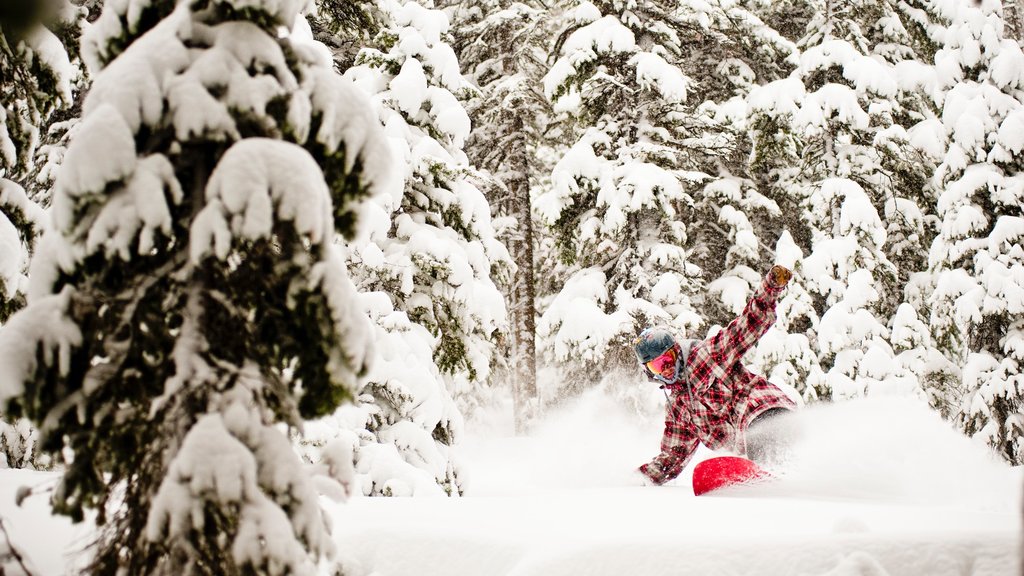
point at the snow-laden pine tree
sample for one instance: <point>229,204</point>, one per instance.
<point>190,300</point>
<point>833,142</point>
<point>36,75</point>
<point>501,46</point>
<point>35,80</point>
<point>977,304</point>
<point>428,256</point>
<point>645,204</point>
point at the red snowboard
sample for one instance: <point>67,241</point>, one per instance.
<point>723,471</point>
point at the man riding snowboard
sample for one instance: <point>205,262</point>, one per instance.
<point>714,399</point>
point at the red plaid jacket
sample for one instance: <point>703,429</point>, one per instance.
<point>717,397</point>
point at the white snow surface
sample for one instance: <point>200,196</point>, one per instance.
<point>874,487</point>
<point>879,487</point>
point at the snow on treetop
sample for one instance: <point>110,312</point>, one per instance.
<point>871,74</point>
<point>438,57</point>
<point>733,291</point>
<point>579,325</point>
<point>632,187</point>
<point>409,86</point>
<point>975,177</point>
<point>779,97</point>
<point>585,12</point>
<point>411,89</point>
<point>1005,69</point>
<point>1006,234</point>
<point>832,101</point>
<point>259,181</point>
<point>134,83</point>
<point>431,24</point>
<point>578,163</point>
<point>140,208</point>
<point>857,212</point>
<point>50,51</point>
<point>449,116</point>
<point>347,119</point>
<point>787,253</point>
<point>43,328</point>
<point>215,466</point>
<point>653,72</point>
<point>966,293</point>
<point>930,137</point>
<point>1011,131</point>
<point>13,195</point>
<point>828,54</point>
<point>1002,283</point>
<point>607,34</point>
<point>975,32</point>
<point>867,73</point>
<point>108,26</point>
<point>914,75</point>
<point>972,110</point>
<point>104,153</point>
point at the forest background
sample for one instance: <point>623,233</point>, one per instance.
<point>226,221</point>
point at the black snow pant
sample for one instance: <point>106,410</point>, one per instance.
<point>770,436</point>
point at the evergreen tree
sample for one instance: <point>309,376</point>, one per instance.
<point>637,199</point>
<point>190,297</point>
<point>977,316</point>
<point>36,77</point>
<point>832,142</point>
<point>35,80</point>
<point>430,249</point>
<point>501,46</point>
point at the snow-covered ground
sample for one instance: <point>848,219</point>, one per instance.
<point>875,488</point>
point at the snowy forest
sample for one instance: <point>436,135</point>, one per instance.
<point>256,252</point>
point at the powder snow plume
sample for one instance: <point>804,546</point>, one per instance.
<point>894,450</point>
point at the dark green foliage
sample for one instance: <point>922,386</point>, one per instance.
<point>347,188</point>
<point>345,26</point>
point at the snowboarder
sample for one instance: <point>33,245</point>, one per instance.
<point>713,398</point>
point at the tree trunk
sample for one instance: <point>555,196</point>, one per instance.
<point>1013,13</point>
<point>525,401</point>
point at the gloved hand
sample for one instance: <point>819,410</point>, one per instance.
<point>780,275</point>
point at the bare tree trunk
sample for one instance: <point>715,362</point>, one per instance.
<point>1013,14</point>
<point>524,384</point>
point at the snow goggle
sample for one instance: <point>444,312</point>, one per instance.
<point>663,362</point>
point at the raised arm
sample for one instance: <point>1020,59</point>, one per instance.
<point>677,447</point>
<point>732,342</point>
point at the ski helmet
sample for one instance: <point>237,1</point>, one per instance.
<point>651,343</point>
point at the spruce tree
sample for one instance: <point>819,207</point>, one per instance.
<point>649,202</point>
<point>501,47</point>
<point>977,317</point>
<point>35,81</point>
<point>36,75</point>
<point>429,254</point>
<point>834,145</point>
<point>190,298</point>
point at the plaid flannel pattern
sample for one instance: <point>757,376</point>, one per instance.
<point>719,397</point>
